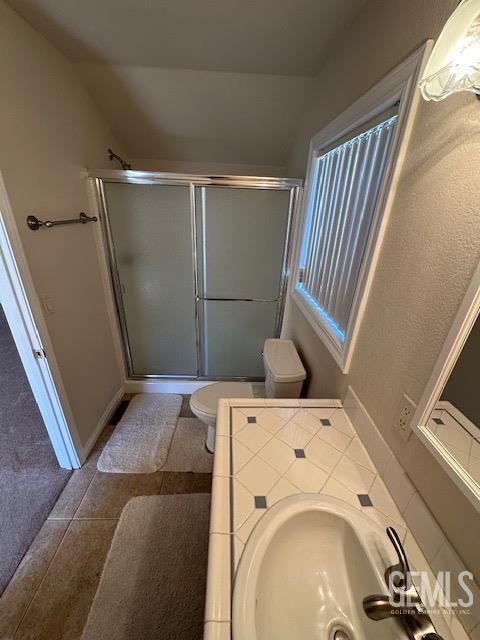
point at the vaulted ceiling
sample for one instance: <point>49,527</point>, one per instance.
<point>197,80</point>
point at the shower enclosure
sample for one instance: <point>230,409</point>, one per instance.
<point>199,269</point>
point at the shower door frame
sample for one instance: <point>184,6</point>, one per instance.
<point>294,186</point>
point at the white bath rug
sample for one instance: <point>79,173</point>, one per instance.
<point>142,438</point>
<point>187,451</point>
<point>153,583</point>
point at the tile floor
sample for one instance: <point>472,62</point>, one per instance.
<point>49,596</point>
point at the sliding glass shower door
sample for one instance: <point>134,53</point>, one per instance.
<point>199,271</point>
<point>242,234</point>
<point>150,232</point>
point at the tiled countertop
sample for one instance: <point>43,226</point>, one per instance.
<point>266,450</point>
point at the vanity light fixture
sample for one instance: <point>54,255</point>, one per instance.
<point>454,64</point>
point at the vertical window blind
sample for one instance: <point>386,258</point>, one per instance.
<point>346,185</point>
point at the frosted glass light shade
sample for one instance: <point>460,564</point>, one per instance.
<point>454,64</point>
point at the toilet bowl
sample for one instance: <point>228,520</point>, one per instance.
<point>204,401</point>
<point>284,376</point>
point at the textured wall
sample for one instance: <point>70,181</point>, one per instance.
<point>429,253</point>
<point>50,131</point>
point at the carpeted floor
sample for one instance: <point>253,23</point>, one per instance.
<point>153,582</point>
<point>30,478</point>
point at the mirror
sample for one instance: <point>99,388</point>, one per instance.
<point>455,419</point>
<point>447,419</point>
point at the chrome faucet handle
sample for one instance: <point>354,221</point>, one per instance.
<point>404,581</point>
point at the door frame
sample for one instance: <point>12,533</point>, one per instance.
<point>110,273</point>
<point>25,319</point>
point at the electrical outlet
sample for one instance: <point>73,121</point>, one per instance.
<point>403,418</point>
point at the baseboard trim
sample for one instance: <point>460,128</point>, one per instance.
<point>101,424</point>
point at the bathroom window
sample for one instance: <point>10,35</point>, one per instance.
<point>352,171</point>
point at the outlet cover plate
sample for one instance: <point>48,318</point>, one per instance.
<point>403,417</point>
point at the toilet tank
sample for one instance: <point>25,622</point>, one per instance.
<point>284,372</point>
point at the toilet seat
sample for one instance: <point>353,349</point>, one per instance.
<point>204,401</point>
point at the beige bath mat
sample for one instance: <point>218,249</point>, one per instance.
<point>153,581</point>
<point>142,438</point>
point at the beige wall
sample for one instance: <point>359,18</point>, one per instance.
<point>200,116</point>
<point>207,168</point>
<point>430,250</point>
<point>50,131</point>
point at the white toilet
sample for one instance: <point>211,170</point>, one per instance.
<point>284,376</point>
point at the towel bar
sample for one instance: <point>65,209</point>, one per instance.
<point>34,223</point>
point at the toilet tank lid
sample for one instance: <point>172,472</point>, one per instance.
<point>282,361</point>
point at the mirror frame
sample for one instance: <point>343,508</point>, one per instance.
<point>457,336</point>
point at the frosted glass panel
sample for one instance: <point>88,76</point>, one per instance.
<point>233,337</point>
<point>242,232</point>
<point>151,232</point>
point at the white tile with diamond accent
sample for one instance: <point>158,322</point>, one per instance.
<point>333,437</point>
<point>282,489</point>
<point>333,488</point>
<point>241,455</point>
<point>244,504</point>
<point>294,435</point>
<point>292,447</point>
<point>248,408</point>
<point>322,454</point>
<point>353,475</point>
<point>340,421</point>
<point>270,421</point>
<point>384,522</point>
<point>357,452</point>
<point>246,529</point>
<point>306,476</point>
<point>287,412</point>
<point>323,413</point>
<point>258,476</point>
<point>239,420</point>
<point>308,421</point>
<point>384,501</point>
<point>253,436</point>
<point>278,455</point>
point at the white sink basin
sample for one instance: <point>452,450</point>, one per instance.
<point>305,570</point>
